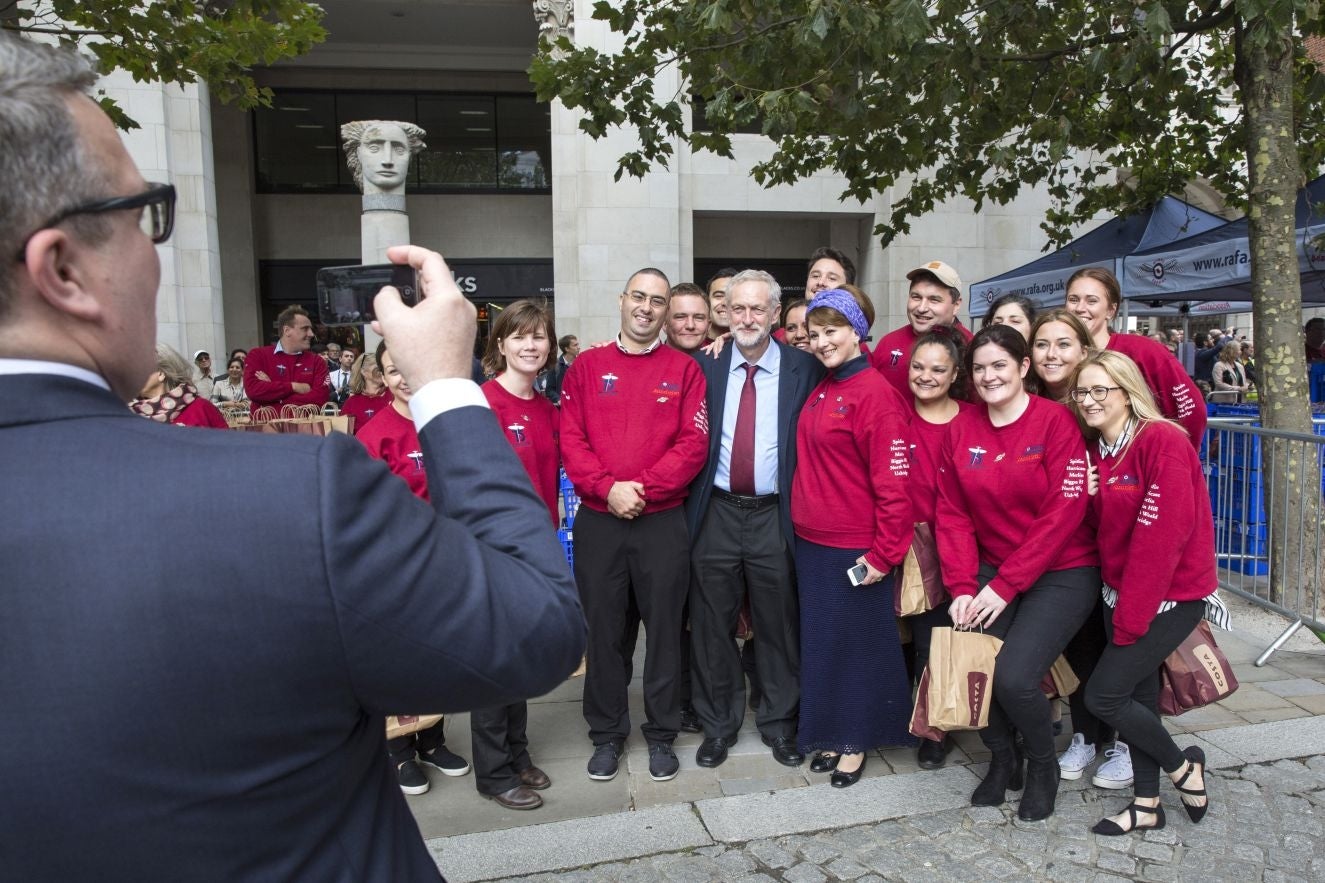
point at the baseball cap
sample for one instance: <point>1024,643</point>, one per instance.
<point>201,353</point>
<point>940,271</point>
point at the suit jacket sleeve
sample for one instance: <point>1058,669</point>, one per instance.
<point>463,603</point>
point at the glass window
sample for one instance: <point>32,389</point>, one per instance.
<point>298,143</point>
<point>461,151</point>
<point>524,142</point>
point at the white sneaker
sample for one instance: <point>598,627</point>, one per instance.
<point>1116,772</point>
<point>1079,755</point>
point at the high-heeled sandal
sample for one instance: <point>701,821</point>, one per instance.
<point>1110,828</point>
<point>1195,760</point>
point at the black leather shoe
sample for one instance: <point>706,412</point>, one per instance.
<point>690,720</point>
<point>840,779</point>
<point>518,797</point>
<point>1004,773</point>
<point>785,751</point>
<point>712,752</point>
<point>932,755</point>
<point>1037,801</point>
<point>824,763</point>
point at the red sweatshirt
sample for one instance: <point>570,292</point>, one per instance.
<point>926,452</point>
<point>1156,535</point>
<point>283,369</point>
<point>1175,393</point>
<point>1014,497</point>
<point>201,412</point>
<point>531,426</point>
<point>851,486</point>
<point>362,407</point>
<point>892,356</point>
<point>633,417</point>
<point>392,438</point>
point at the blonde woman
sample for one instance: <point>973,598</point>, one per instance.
<point>1229,376</point>
<point>368,392</point>
<point>169,396</point>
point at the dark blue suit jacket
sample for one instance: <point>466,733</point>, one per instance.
<point>202,632</point>
<point>799,374</point>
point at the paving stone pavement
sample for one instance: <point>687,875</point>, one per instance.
<point>1265,824</point>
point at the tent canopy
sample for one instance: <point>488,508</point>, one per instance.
<point>1044,281</point>
<point>1215,264</point>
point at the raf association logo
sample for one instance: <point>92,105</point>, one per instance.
<point>609,384</point>
<point>417,458</point>
<point>896,357</point>
<point>517,433</point>
<point>977,457</point>
<point>1124,482</point>
<point>667,391</point>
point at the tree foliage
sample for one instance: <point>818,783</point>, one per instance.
<point>948,98</point>
<point>180,41</point>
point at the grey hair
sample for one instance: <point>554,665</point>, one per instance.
<point>352,134</point>
<point>44,165</point>
<point>774,290</point>
<point>170,363</point>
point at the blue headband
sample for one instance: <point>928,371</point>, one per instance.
<point>844,303</point>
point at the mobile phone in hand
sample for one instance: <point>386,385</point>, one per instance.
<point>345,294</point>
<point>858,574</point>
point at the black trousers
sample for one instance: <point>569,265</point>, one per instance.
<point>403,748</point>
<point>501,748</point>
<point>1124,691</point>
<point>1083,654</point>
<point>1035,627</point>
<point>741,551</point>
<point>647,559</point>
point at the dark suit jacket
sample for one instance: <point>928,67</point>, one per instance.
<point>800,373</point>
<point>177,708</point>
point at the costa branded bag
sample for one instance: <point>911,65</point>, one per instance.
<point>404,724</point>
<point>960,681</point>
<point>1059,681</point>
<point>920,584</point>
<point>1195,674</point>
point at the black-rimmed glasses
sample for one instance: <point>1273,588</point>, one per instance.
<point>157,220</point>
<point>1098,393</point>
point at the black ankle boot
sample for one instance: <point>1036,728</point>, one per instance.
<point>1037,802</point>
<point>1004,773</point>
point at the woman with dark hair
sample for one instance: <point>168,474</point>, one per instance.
<point>793,324</point>
<point>937,386</point>
<point>1016,556</point>
<point>1059,341</point>
<point>368,392</point>
<point>1093,295</point>
<point>1157,547</point>
<point>851,514</point>
<point>1011,309</point>
<point>169,396</point>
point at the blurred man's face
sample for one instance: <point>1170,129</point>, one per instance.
<point>297,336</point>
<point>687,322</point>
<point>718,302</point>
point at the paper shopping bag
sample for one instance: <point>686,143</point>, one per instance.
<point>961,678</point>
<point>1195,674</point>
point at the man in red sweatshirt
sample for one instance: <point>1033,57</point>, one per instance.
<point>933,300</point>
<point>288,372</point>
<point>634,433</point>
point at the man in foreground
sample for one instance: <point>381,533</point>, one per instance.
<point>234,692</point>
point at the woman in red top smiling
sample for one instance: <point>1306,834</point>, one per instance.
<point>1157,544</point>
<point>1015,554</point>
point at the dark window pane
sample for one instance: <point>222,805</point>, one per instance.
<point>524,143</point>
<point>461,139</point>
<point>297,143</point>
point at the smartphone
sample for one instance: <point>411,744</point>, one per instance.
<point>858,574</point>
<point>345,294</point>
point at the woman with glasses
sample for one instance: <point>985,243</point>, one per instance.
<point>169,395</point>
<point>1016,555</point>
<point>368,392</point>
<point>1157,549</point>
<point>1093,295</point>
<point>851,513</point>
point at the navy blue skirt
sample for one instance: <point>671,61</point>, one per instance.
<point>855,693</point>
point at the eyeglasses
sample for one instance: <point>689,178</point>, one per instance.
<point>1098,393</point>
<point>639,298</point>
<point>157,221</point>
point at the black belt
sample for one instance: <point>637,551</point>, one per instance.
<point>743,502</point>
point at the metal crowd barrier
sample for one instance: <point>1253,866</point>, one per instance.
<point>1268,530</point>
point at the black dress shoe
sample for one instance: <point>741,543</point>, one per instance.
<point>712,752</point>
<point>840,779</point>
<point>534,778</point>
<point>518,797</point>
<point>785,751</point>
<point>690,720</point>
<point>824,762</point>
<point>932,755</point>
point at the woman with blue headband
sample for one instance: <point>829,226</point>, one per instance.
<point>851,512</point>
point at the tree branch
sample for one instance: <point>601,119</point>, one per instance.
<point>1196,26</point>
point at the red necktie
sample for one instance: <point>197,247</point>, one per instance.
<point>743,440</point>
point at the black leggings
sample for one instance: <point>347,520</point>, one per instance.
<point>1035,627</point>
<point>1083,654</point>
<point>1124,692</point>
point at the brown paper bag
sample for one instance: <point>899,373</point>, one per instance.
<point>1195,674</point>
<point>404,724</point>
<point>920,583</point>
<point>920,725</point>
<point>961,678</point>
<point>261,421</point>
<point>1059,681</point>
